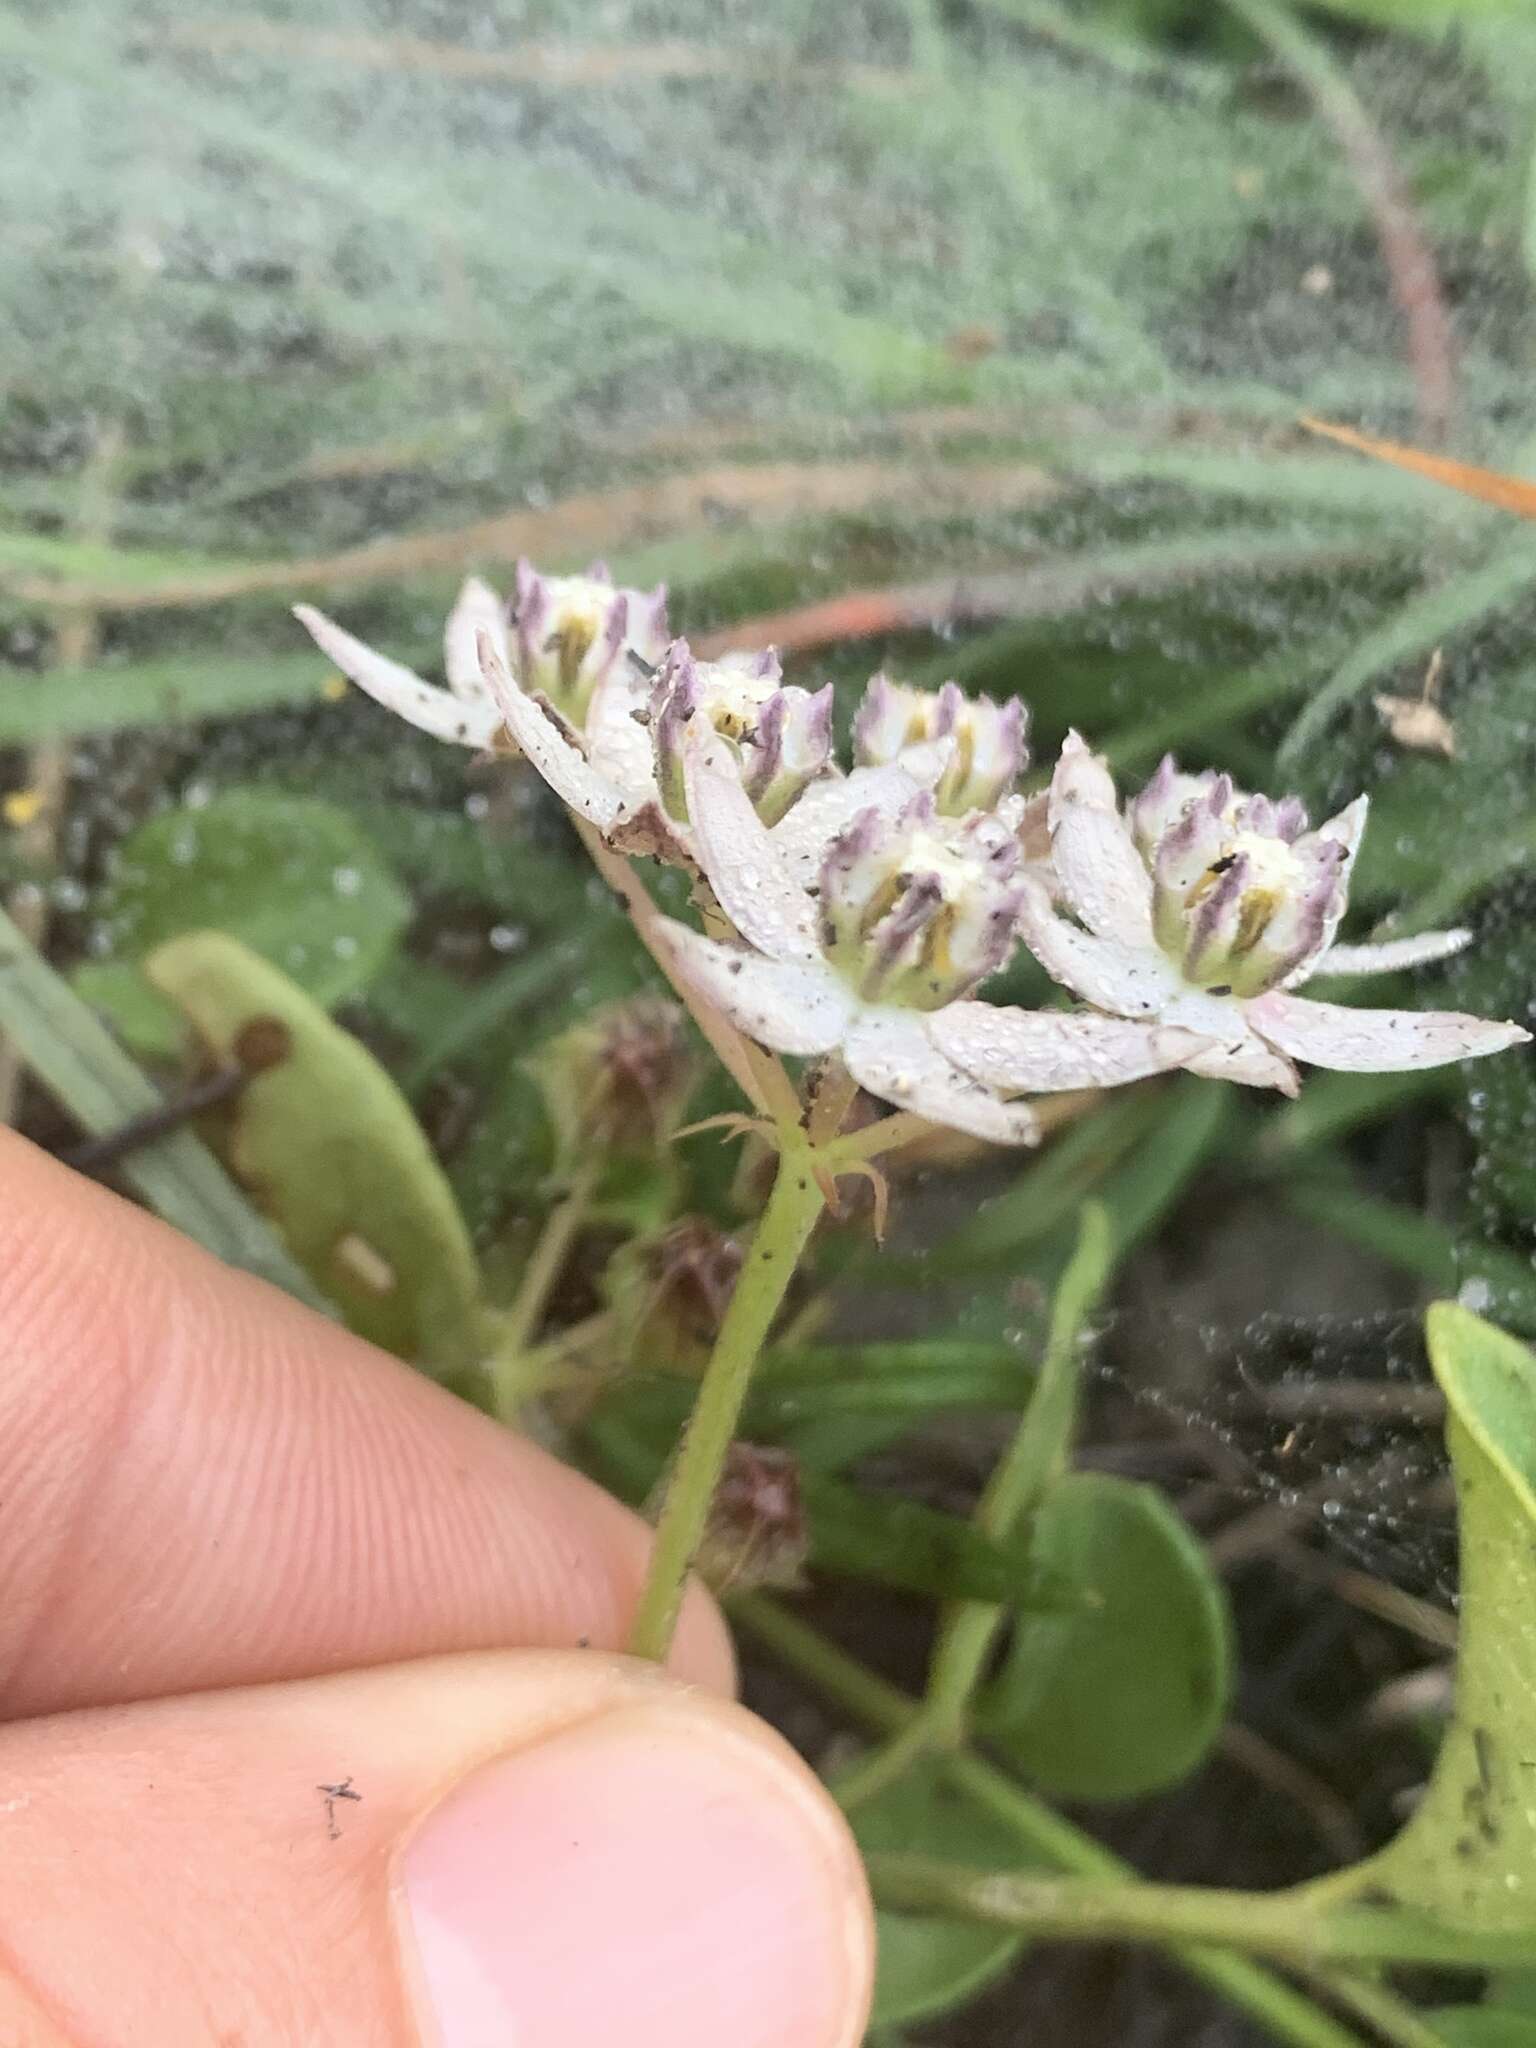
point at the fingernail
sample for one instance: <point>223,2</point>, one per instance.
<point>653,1876</point>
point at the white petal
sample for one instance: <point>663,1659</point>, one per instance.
<point>753,883</point>
<point>828,806</point>
<point>1249,1062</point>
<point>1043,1050</point>
<point>1391,954</point>
<point>400,689</point>
<point>924,760</point>
<point>477,609</point>
<point>789,1005</point>
<point>1128,980</point>
<point>1375,1041</point>
<point>889,1052</point>
<point>619,743</point>
<point>1081,777</point>
<point>1349,826</point>
<point>1102,876</point>
<point>591,795</point>
<point>1234,1051</point>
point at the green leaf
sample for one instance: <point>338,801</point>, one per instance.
<point>1500,1094</point>
<point>1122,1690</point>
<point>1047,1191</point>
<point>116,697</point>
<point>890,1541</point>
<point>1423,1246</point>
<point>1483,2026</point>
<point>928,1965</point>
<point>1416,628</point>
<point>1468,1855</point>
<point>294,879</point>
<point>329,1147</point>
<point>907,1380</point>
<point>1333,1105</point>
<point>1514,1991</point>
<point>1420,14</point>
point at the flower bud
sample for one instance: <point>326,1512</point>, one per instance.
<point>669,1294</point>
<point>618,1081</point>
<point>757,1535</point>
<point>988,750</point>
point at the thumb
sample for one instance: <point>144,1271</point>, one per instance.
<point>522,1850</point>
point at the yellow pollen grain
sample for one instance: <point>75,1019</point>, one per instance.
<point>1257,908</point>
<point>22,807</point>
<point>334,688</point>
<point>572,641</point>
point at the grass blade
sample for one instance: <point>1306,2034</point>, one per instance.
<point>78,1060</point>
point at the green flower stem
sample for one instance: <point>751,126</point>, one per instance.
<point>1281,1925</point>
<point>1040,1449</point>
<point>884,1765</point>
<point>834,1095</point>
<point>1287,2015</point>
<point>511,1380</point>
<point>792,1213</point>
<point>874,1139</point>
<point>1397,2022</point>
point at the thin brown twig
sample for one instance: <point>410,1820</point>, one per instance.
<point>1405,249</point>
<point>1038,591</point>
<point>589,521</point>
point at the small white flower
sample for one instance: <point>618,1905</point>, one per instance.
<point>1203,907</point>
<point>572,635</point>
<point>624,773</point>
<point>581,680</point>
<point>781,735</point>
<point>866,919</point>
<point>989,750</point>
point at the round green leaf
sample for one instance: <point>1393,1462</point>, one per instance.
<point>1484,2026</point>
<point>296,880</point>
<point>1468,1853</point>
<point>927,1965</point>
<point>1121,1688</point>
<point>330,1150</point>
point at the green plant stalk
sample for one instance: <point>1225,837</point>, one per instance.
<point>1393,2018</point>
<point>512,1380</point>
<point>793,1211</point>
<point>1284,1926</point>
<point>1288,2015</point>
<point>1039,1451</point>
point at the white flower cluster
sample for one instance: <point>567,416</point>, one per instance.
<point>859,911</point>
